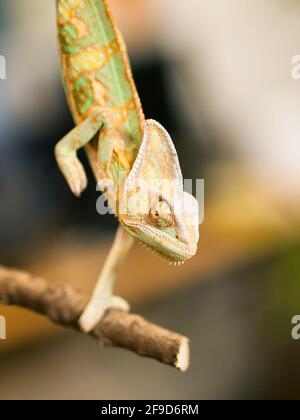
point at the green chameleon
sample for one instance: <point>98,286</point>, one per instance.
<point>134,160</point>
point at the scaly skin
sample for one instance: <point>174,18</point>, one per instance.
<point>96,73</point>
<point>135,155</point>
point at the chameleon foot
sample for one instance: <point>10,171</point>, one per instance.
<point>94,312</point>
<point>66,151</point>
<point>73,172</point>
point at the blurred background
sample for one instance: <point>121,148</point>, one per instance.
<point>218,75</point>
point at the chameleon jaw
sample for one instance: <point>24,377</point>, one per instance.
<point>173,250</point>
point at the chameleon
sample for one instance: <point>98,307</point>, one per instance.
<point>134,160</point>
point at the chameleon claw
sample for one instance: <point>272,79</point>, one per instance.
<point>79,186</point>
<point>119,303</point>
<point>73,172</point>
<point>94,312</point>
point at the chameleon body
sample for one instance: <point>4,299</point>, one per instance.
<point>97,74</point>
<point>122,148</point>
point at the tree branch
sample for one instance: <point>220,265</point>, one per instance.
<point>63,305</point>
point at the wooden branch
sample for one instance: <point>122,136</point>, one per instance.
<point>63,305</point>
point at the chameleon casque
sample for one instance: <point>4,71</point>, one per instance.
<point>123,148</point>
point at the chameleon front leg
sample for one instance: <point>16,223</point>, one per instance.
<point>66,151</point>
<point>102,296</point>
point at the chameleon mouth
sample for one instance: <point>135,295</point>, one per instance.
<point>174,250</point>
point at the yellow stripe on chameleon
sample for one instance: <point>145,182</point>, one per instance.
<point>67,10</point>
<point>123,111</point>
<point>82,29</point>
<point>91,58</point>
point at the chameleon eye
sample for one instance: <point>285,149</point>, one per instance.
<point>160,215</point>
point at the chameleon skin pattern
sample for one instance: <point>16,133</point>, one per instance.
<point>96,74</point>
<point>102,94</point>
<point>102,97</point>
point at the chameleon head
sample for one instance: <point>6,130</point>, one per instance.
<point>154,208</point>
